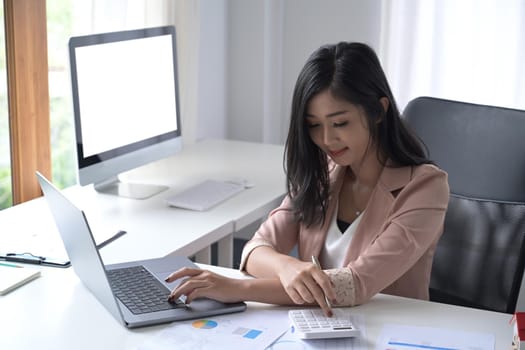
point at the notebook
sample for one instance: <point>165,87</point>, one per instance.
<point>89,267</point>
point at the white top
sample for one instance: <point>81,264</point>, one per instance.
<point>336,244</point>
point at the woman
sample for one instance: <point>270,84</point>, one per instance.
<point>362,197</point>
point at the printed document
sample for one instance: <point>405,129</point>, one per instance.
<point>399,337</point>
<point>251,329</point>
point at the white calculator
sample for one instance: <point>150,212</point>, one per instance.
<point>313,324</point>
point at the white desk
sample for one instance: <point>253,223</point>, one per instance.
<point>153,228</point>
<point>57,312</point>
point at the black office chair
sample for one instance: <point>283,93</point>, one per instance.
<point>479,261</point>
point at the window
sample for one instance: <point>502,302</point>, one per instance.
<point>68,18</point>
<point>65,18</point>
<point>59,29</point>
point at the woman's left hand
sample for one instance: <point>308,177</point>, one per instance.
<point>200,283</point>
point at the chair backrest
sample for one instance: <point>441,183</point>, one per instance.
<point>479,261</point>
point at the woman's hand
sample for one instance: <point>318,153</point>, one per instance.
<point>306,284</point>
<point>200,283</point>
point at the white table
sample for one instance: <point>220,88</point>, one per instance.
<point>153,228</point>
<point>57,312</point>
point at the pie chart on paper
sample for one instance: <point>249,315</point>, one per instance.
<point>204,324</point>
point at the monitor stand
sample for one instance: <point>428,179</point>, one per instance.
<point>130,190</point>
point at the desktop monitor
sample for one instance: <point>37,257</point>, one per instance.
<point>126,105</point>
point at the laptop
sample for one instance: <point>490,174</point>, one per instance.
<point>104,280</point>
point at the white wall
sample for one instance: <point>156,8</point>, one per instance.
<point>245,78</point>
<point>212,89</point>
<point>251,53</point>
<point>269,41</point>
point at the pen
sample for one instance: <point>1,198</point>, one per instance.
<point>9,265</point>
<point>316,263</point>
<point>111,239</point>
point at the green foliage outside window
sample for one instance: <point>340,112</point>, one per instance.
<point>59,29</point>
<point>6,199</point>
<point>5,163</point>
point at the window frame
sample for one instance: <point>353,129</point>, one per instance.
<point>28,95</point>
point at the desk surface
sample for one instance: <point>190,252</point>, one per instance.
<point>153,228</point>
<point>57,312</point>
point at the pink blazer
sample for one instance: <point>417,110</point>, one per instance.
<point>393,246</point>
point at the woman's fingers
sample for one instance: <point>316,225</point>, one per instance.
<point>183,272</point>
<point>191,288</point>
<point>308,287</point>
<point>305,290</point>
<point>299,293</point>
<point>324,282</point>
<point>325,292</point>
<point>199,283</point>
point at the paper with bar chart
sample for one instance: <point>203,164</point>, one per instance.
<point>400,337</point>
<point>251,329</point>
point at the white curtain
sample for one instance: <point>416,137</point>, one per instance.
<point>98,16</point>
<point>468,50</point>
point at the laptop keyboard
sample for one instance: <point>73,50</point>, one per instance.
<point>140,291</point>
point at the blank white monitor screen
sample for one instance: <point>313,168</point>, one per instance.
<point>125,98</point>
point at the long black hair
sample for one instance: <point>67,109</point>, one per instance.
<point>352,72</point>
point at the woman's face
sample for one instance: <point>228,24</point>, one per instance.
<point>339,128</point>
